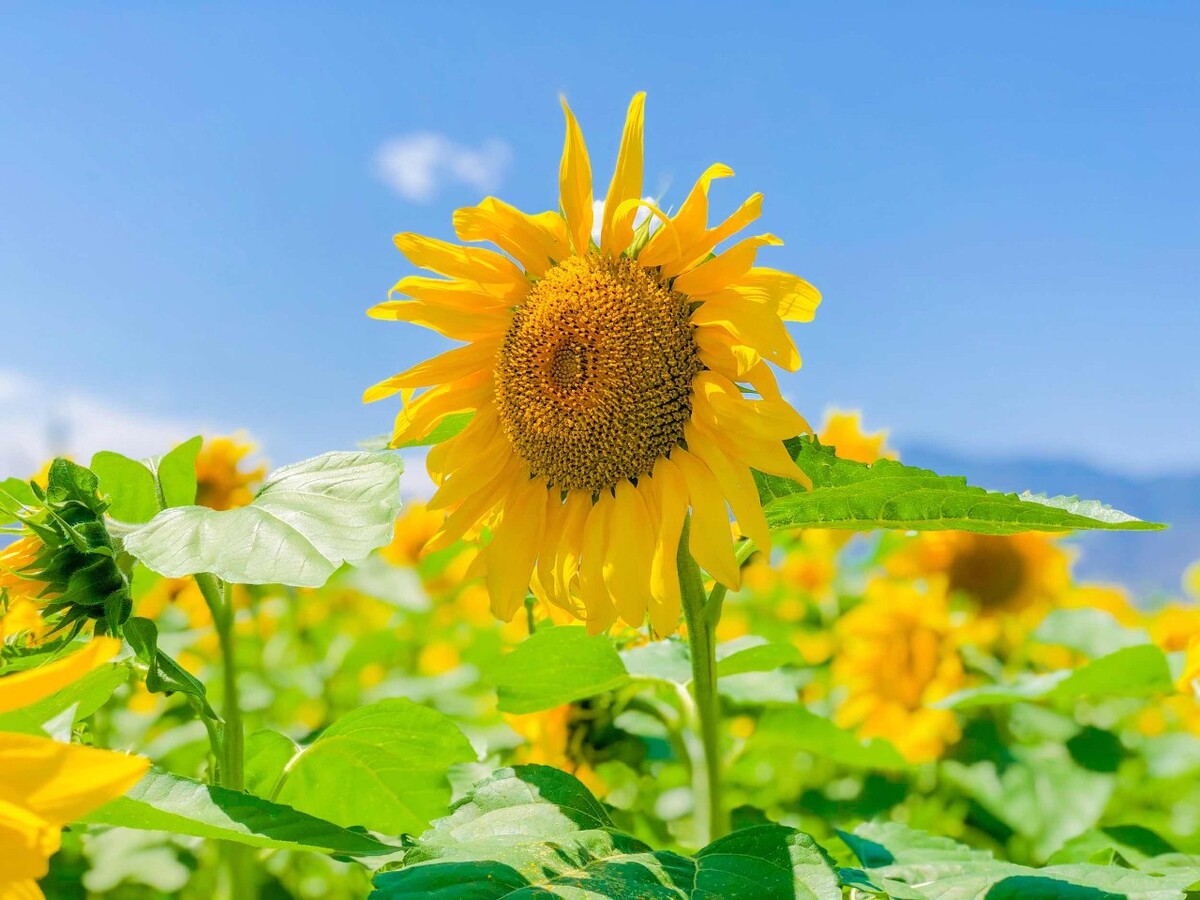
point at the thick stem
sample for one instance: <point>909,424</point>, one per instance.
<point>711,819</point>
<point>241,879</point>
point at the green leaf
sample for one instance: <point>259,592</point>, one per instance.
<point>267,756</point>
<point>534,831</point>
<point>14,495</point>
<point>887,494</point>
<point>784,731</point>
<point>752,654</point>
<point>165,802</point>
<point>1092,632</point>
<point>176,472</point>
<point>306,521</point>
<point>1138,671</point>
<point>666,661</point>
<point>382,766</point>
<point>163,675</point>
<point>449,427</point>
<point>133,496</point>
<point>556,666</point>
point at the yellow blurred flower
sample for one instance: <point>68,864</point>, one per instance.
<point>1109,598</point>
<point>1174,625</point>
<point>415,527</point>
<point>221,482</point>
<point>552,738</point>
<point>438,658</point>
<point>843,431</point>
<point>21,618</point>
<point>897,655</point>
<point>1004,575</point>
<point>48,784</point>
<point>1191,580</point>
<point>15,559</point>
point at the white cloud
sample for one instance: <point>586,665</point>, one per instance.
<point>41,422</point>
<point>417,166</point>
<point>638,217</point>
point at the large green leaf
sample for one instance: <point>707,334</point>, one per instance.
<point>534,831</point>
<point>914,865</point>
<point>555,666</point>
<point>306,521</point>
<point>1137,671</point>
<point>887,494</point>
<point>130,486</point>
<point>382,766</point>
<point>176,472</point>
<point>165,802</point>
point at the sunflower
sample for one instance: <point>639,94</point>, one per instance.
<point>898,655</point>
<point>844,432</point>
<point>221,482</point>
<point>610,388</point>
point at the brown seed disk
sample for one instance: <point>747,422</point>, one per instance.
<point>594,379</point>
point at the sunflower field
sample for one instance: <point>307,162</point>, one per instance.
<point>653,635</point>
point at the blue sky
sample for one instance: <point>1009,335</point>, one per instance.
<point>1000,202</point>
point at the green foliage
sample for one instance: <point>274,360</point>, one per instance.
<point>556,666</point>
<point>307,520</point>
<point>450,426</point>
<point>381,766</point>
<point>78,559</point>
<point>912,865</point>
<point>536,831</point>
<point>163,674</point>
<point>165,802</point>
<point>77,700</point>
<point>887,494</point>
<point>137,491</point>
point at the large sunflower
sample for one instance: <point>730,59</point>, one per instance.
<point>614,387</point>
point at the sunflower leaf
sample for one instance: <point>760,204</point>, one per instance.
<point>307,520</point>
<point>859,497</point>
<point>535,830</point>
<point>555,666</point>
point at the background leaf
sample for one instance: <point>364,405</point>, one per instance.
<point>176,472</point>
<point>555,666</point>
<point>306,521</point>
<point>130,487</point>
<point>381,766</point>
<point>165,802</point>
<point>887,494</point>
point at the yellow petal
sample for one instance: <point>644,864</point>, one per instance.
<point>535,242</point>
<point>753,325</point>
<point>465,296</point>
<point>44,776</point>
<point>471,263</point>
<point>459,325</point>
<point>27,841</point>
<point>721,351</point>
<point>629,555</point>
<point>737,486</point>
<point>478,507</point>
<point>689,224</point>
<point>575,185</point>
<point>616,234</point>
<point>667,493</point>
<point>721,271</point>
<point>449,366</point>
<point>26,688</point>
<point>569,550</point>
<point>513,551</point>
<point>742,216</point>
<point>792,298</point>
<point>711,540</point>
<point>420,417</point>
<point>598,606</point>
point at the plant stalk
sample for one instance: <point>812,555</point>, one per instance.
<point>712,821</point>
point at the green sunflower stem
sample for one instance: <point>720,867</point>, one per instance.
<point>712,820</point>
<point>239,877</point>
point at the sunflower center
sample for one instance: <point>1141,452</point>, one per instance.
<point>594,379</point>
<point>990,570</point>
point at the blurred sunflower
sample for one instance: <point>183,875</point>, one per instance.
<point>897,655</point>
<point>48,784</point>
<point>221,482</point>
<point>606,386</point>
<point>844,432</point>
<point>1003,575</point>
<point>556,737</point>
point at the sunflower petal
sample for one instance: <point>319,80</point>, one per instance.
<point>721,271</point>
<point>513,551</point>
<point>711,540</point>
<point>449,366</point>
<point>630,553</point>
<point>737,485</point>
<point>469,263</point>
<point>667,492</point>
<point>29,687</point>
<point>690,222</point>
<point>535,242</point>
<point>575,185</point>
<point>616,233</point>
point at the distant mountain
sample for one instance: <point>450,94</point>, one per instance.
<point>1149,563</point>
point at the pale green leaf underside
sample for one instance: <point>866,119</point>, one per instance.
<point>306,521</point>
<point>165,802</point>
<point>534,831</point>
<point>887,494</point>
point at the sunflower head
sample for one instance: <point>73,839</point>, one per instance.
<point>66,559</point>
<point>614,387</point>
